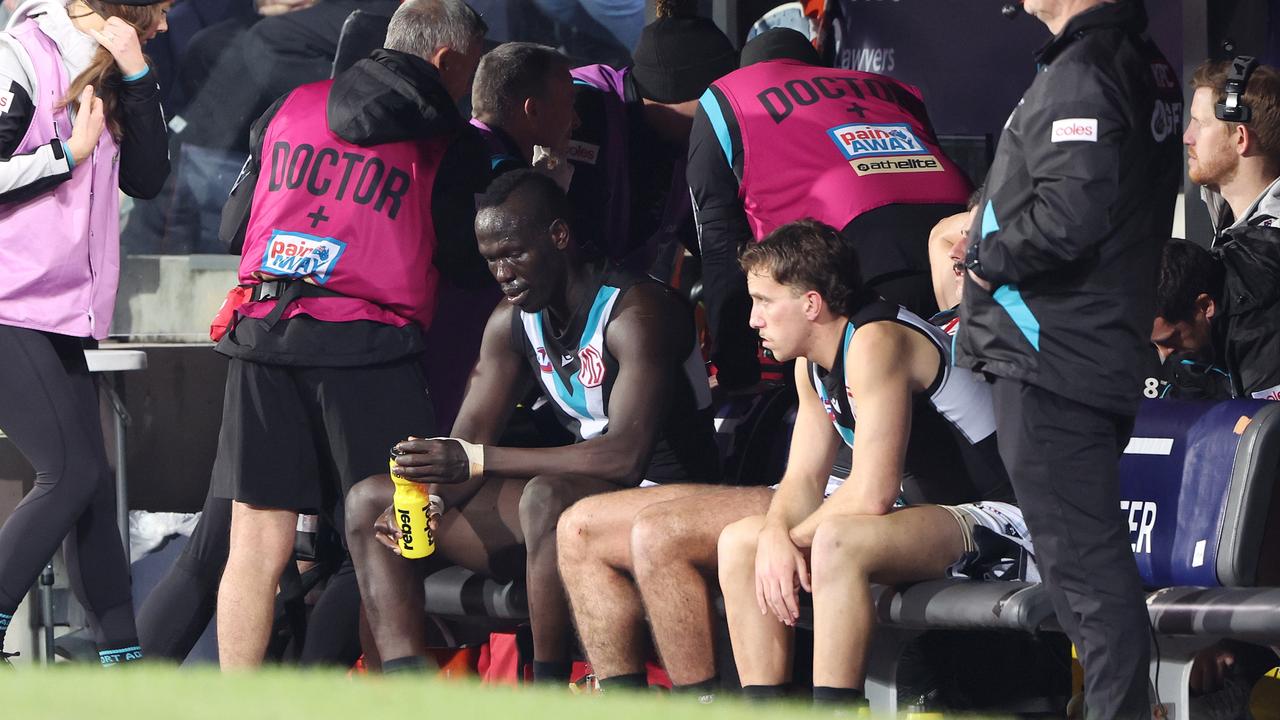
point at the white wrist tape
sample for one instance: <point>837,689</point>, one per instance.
<point>435,506</point>
<point>475,456</point>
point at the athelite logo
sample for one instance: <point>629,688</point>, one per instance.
<point>872,149</point>
<point>544,362</point>
<point>1074,130</point>
<point>292,254</point>
<point>6,101</point>
<point>591,372</point>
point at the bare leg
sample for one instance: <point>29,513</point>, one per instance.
<point>261,543</point>
<point>545,498</point>
<point>673,547</point>
<point>762,646</point>
<point>389,594</point>
<point>848,554</point>
<point>594,551</point>
<point>478,536</point>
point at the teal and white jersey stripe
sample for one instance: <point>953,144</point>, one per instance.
<point>951,452</point>
<point>577,380</point>
<point>842,420</point>
<point>576,373</point>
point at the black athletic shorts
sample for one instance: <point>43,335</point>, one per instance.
<point>298,438</point>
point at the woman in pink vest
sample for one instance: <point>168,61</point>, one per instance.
<point>80,119</point>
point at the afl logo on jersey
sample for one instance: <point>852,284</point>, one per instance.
<point>591,372</point>
<point>544,364</point>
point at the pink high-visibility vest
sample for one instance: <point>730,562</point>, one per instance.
<point>352,219</point>
<point>830,144</point>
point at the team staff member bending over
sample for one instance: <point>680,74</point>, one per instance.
<point>783,139</point>
<point>358,193</point>
<point>616,357</point>
<point>926,434</point>
<point>524,97</point>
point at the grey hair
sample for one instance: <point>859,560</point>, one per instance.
<point>510,73</point>
<point>421,27</point>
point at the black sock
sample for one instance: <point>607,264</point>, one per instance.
<point>5,619</point>
<point>556,671</point>
<point>757,693</point>
<point>704,691</point>
<point>835,696</point>
<point>407,664</point>
<point>632,681</point>
<point>119,652</point>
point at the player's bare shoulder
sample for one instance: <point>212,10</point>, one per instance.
<point>654,313</point>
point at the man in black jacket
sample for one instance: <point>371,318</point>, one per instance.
<point>1237,165</point>
<point>1058,306</point>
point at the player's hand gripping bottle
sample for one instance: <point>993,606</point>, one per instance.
<point>412,507</point>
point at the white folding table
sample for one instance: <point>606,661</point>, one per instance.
<point>112,362</point>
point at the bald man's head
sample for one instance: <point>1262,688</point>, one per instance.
<point>946,240</point>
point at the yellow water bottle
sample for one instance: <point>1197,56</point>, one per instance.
<point>411,506</point>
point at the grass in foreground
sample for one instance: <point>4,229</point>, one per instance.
<point>159,692</point>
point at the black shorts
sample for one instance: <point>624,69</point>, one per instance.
<point>298,438</point>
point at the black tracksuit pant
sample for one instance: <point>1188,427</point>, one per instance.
<point>1062,457</point>
<point>49,409</point>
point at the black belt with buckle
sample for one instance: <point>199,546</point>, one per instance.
<point>270,289</point>
<point>284,292</point>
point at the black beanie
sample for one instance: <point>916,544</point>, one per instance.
<point>779,43</point>
<point>678,57</point>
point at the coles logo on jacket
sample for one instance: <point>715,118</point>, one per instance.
<point>1074,130</point>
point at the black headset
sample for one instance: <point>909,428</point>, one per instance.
<point>1232,108</point>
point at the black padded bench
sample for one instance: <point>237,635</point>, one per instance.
<point>1198,485</point>
<point>1207,533</point>
<point>902,613</point>
<point>454,593</point>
